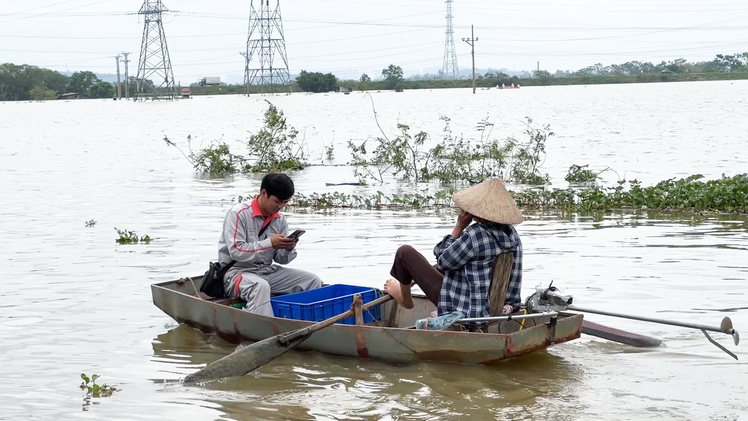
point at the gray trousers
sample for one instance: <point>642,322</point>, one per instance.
<point>256,285</point>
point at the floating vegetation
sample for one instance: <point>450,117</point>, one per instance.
<point>727,194</point>
<point>94,390</point>
<point>442,199</point>
<point>581,174</point>
<point>90,223</point>
<point>130,237</point>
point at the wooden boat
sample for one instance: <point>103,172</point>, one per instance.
<point>392,339</point>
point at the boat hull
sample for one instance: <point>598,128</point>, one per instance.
<point>391,339</point>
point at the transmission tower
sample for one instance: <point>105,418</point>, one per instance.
<point>449,69</point>
<point>266,41</point>
<point>155,79</point>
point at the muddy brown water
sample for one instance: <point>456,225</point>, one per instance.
<point>76,302</point>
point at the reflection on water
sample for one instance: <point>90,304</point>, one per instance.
<point>74,301</point>
<point>311,386</point>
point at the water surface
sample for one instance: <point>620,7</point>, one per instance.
<point>74,301</point>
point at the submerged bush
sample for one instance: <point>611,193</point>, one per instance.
<point>454,160</point>
<point>401,157</point>
<point>273,148</point>
<point>216,159</point>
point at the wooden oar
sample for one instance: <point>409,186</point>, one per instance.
<point>620,336</point>
<point>254,356</point>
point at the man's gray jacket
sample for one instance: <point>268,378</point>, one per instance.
<point>239,240</point>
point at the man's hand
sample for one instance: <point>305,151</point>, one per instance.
<point>280,241</point>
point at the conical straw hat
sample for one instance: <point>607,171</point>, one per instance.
<point>491,201</point>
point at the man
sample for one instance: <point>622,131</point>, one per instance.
<point>255,235</point>
<point>461,279</point>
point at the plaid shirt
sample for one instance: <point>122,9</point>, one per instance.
<point>467,264</point>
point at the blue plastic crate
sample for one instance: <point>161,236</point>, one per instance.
<point>323,303</point>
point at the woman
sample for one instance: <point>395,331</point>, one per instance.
<point>461,278</point>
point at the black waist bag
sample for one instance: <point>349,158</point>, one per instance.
<point>213,279</point>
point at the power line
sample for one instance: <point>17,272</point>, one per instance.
<point>36,8</point>
<point>49,13</point>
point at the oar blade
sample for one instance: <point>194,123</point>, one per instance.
<point>726,325</point>
<point>245,360</point>
<point>260,353</point>
<point>617,335</point>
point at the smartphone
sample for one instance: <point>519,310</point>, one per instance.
<point>296,234</point>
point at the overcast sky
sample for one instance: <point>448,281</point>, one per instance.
<point>350,37</point>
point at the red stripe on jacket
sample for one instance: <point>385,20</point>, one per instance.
<point>255,212</point>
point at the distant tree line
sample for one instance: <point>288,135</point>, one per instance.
<point>737,62</point>
<point>24,83</point>
<point>318,82</point>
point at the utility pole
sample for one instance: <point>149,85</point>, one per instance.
<point>119,87</point>
<point>127,77</point>
<point>471,43</point>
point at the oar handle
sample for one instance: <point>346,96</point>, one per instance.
<point>292,336</point>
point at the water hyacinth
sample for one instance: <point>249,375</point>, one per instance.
<point>727,194</point>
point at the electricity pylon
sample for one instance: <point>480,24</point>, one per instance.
<point>266,41</point>
<point>155,78</point>
<point>449,69</point>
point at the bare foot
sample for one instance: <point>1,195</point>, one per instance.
<point>400,294</point>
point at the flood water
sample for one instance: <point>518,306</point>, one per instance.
<point>74,301</point>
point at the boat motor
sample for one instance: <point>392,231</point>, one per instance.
<point>548,298</point>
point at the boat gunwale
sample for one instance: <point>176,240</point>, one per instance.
<point>306,323</point>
